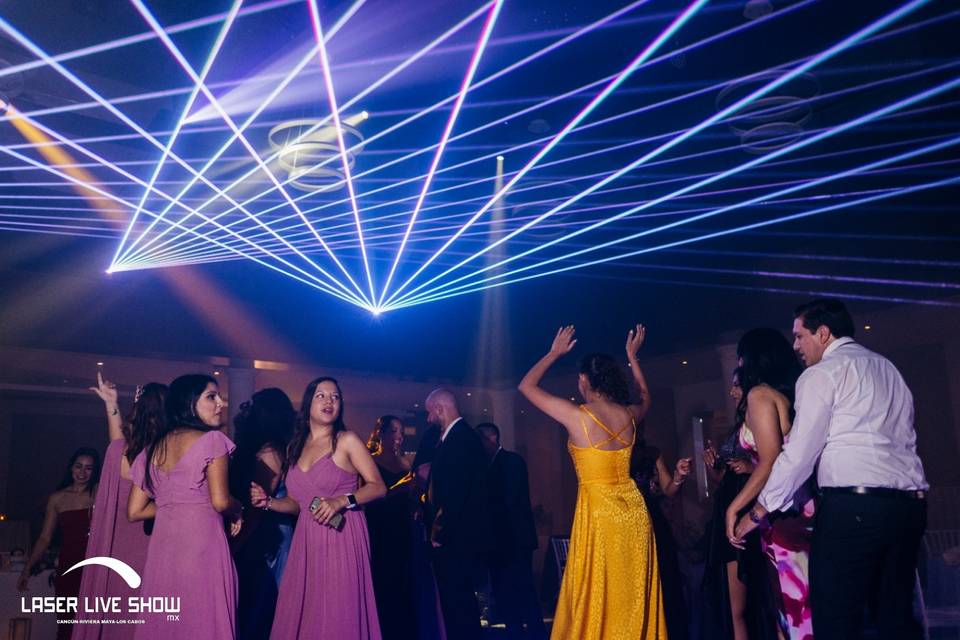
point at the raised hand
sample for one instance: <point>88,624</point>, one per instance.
<point>258,497</point>
<point>635,339</point>
<point>683,467</point>
<point>564,341</point>
<point>106,390</point>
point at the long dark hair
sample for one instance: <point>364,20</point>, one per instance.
<point>67,479</point>
<point>606,377</point>
<point>181,413</point>
<point>265,421</point>
<point>145,419</point>
<point>375,441</point>
<point>302,428</point>
<point>767,359</point>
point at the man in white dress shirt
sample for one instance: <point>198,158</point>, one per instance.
<point>854,425</point>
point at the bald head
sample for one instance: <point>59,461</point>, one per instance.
<point>442,407</point>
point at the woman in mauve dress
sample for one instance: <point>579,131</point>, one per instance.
<point>326,590</point>
<point>111,534</point>
<point>181,481</point>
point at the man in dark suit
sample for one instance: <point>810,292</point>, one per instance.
<point>514,537</point>
<point>457,515</point>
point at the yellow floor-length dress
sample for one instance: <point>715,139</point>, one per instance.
<point>611,583</point>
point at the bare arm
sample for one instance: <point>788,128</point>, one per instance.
<point>635,340</point>
<point>218,485</point>
<point>140,506</point>
<point>560,409</point>
<point>764,421</point>
<point>670,483</point>
<point>267,470</point>
<point>43,542</point>
<point>107,391</point>
<point>372,488</point>
<point>262,500</point>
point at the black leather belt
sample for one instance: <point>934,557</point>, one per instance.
<point>911,494</point>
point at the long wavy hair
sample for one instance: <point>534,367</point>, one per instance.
<point>181,413</point>
<point>145,420</point>
<point>767,358</point>
<point>302,426</point>
<point>606,377</point>
<point>266,421</point>
<point>375,441</point>
<point>67,479</point>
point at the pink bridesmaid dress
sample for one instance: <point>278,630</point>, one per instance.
<point>326,590</point>
<point>188,556</point>
<point>111,535</point>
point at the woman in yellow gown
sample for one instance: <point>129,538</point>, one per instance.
<point>611,583</point>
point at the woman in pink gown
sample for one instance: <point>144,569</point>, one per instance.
<point>184,487</point>
<point>326,590</point>
<point>111,534</point>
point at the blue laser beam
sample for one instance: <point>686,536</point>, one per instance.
<point>811,63</point>
<point>445,137</point>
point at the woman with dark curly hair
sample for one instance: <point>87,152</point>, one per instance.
<point>768,374</point>
<point>263,428</point>
<point>111,534</point>
<point>611,583</point>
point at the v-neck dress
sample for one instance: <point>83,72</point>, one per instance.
<point>326,590</point>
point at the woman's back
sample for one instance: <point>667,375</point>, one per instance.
<point>188,555</point>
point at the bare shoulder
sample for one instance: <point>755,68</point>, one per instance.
<point>350,440</point>
<point>763,393</point>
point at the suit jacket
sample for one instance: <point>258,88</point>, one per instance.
<point>457,492</point>
<point>512,517</point>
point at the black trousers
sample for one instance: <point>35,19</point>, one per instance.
<point>454,572</point>
<point>864,555</point>
<point>511,578</point>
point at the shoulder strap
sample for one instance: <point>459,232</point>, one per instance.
<point>611,435</point>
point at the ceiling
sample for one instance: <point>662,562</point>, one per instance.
<point>494,170</point>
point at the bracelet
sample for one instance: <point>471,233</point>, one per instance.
<point>754,518</point>
<point>115,410</point>
<point>266,507</point>
<point>680,481</point>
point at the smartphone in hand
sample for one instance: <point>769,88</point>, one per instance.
<point>336,522</point>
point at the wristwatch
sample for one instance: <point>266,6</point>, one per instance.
<point>352,501</point>
<point>754,518</point>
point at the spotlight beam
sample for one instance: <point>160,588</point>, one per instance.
<point>285,81</point>
<point>823,180</point>
<point>893,193</point>
<point>314,281</point>
<point>214,50</point>
<point>372,87</point>
<point>185,64</point>
<point>811,63</point>
<point>445,137</point>
<point>76,81</point>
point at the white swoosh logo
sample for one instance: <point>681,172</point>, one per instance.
<point>125,571</point>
